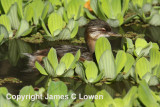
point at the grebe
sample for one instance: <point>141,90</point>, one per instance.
<point>94,29</point>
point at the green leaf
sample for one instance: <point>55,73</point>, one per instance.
<point>128,45</point>
<point>155,45</point>
<point>119,102</point>
<point>66,102</point>
<point>130,97</point>
<point>36,103</point>
<point>55,22</point>
<point>89,15</point>
<point>147,76</point>
<point>6,4</point>
<point>154,57</point>
<point>65,34</point>
<point>107,65</point>
<point>52,57</point>
<point>3,90</point>
<point>153,81</point>
<point>155,20</point>
<point>120,60</point>
<point>144,51</point>
<point>5,103</point>
<point>75,30</point>
<point>102,44</point>
<point>60,68</point>
<point>45,10</point>
<point>142,67</point>
<point>130,61</point>
<point>99,77</point>
<point>125,6</point>
<point>74,8</point>
<point>67,59</point>
<point>82,21</point>
<point>68,73</point>
<point>80,71</point>
<point>56,2</point>
<point>28,13</point>
<point>38,7</point>
<point>96,8</point>
<point>45,28</point>
<point>40,68</point>
<point>71,24</point>
<point>57,88</point>
<point>13,16</point>
<point>140,43</point>
<point>111,8</point>
<point>76,58</point>
<point>65,15</point>
<point>3,31</point>
<point>91,71</point>
<point>25,91</point>
<point>48,67</point>
<point>24,26</point>
<point>138,2</point>
<point>145,95</point>
<point>106,101</point>
<point>113,22</point>
<point>4,20</point>
<point>88,103</point>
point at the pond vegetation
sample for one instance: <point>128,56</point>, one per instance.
<point>124,73</point>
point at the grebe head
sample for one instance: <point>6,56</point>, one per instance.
<point>95,29</point>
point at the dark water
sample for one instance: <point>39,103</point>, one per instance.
<point>14,64</point>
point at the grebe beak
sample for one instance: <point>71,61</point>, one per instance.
<point>112,34</point>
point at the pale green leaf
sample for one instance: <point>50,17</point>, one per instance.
<point>130,97</point>
<point>28,12</point>
<point>52,57</point>
<point>27,90</point>
<point>48,67</point>
<point>38,7</point>
<point>57,88</point>
<point>91,71</point>
<point>154,57</point>
<point>142,67</point>
<point>76,58</point>
<point>120,60</point>
<point>102,44</point>
<point>55,22</point>
<point>140,43</point>
<point>40,68</point>
<point>107,65</point>
<point>24,26</point>
<point>130,61</point>
<point>106,101</point>
<point>145,95</point>
<point>155,20</point>
<point>60,69</point>
<point>13,16</point>
<point>4,20</point>
<point>67,59</point>
<point>73,8</point>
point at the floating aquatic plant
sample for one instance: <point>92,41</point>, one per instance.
<point>111,11</point>
<point>54,69</point>
<point>148,12</point>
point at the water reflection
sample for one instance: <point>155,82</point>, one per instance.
<point>153,33</point>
